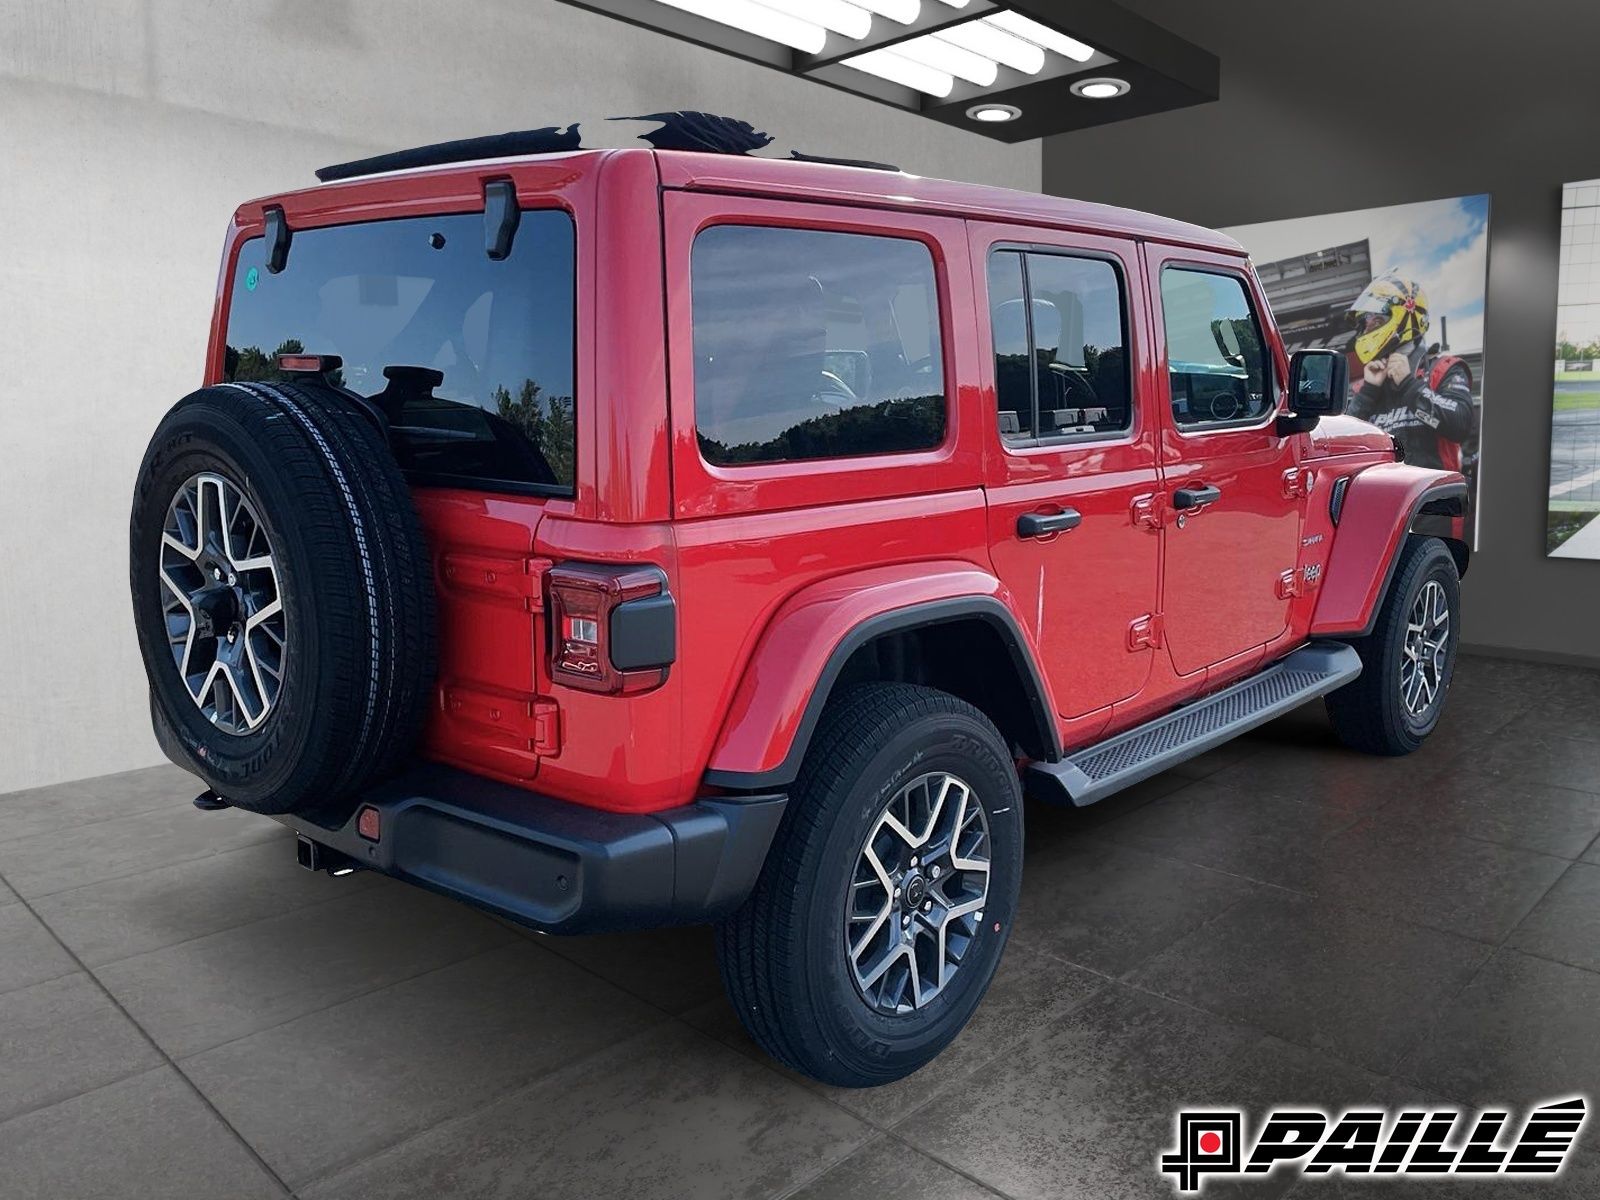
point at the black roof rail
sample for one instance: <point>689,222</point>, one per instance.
<point>552,139</point>
<point>680,130</point>
<point>865,163</point>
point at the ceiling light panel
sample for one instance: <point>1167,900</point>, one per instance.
<point>994,43</point>
<point>758,19</point>
<point>1007,68</point>
<point>1030,30</point>
<point>886,64</point>
<point>904,11</point>
<point>836,16</point>
<point>950,58</point>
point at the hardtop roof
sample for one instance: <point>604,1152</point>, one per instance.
<point>817,181</point>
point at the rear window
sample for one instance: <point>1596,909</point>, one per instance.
<point>810,344</point>
<point>470,359</point>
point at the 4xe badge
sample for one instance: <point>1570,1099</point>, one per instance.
<point>1372,1141</point>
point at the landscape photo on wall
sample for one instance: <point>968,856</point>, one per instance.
<point>1573,528</point>
<point>1400,290</point>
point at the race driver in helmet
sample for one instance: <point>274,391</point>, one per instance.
<point>1421,398</point>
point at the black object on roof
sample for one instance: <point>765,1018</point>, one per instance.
<point>549,140</point>
<point>864,163</point>
<point>702,131</point>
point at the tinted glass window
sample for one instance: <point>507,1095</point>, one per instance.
<point>809,344</point>
<point>1013,361</point>
<point>470,359</point>
<point>1215,355</point>
<point>1061,361</point>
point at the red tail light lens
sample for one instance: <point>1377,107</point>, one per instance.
<point>612,629</point>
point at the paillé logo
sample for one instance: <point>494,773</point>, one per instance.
<point>1417,1142</point>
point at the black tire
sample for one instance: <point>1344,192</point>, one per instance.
<point>1370,713</point>
<point>783,954</point>
<point>353,574</point>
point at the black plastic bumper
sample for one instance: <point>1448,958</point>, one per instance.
<point>551,864</point>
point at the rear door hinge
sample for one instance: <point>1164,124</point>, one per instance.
<point>1146,511</point>
<point>518,581</point>
<point>532,721</point>
<point>1298,481</point>
<point>1147,632</point>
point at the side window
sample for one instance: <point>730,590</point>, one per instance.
<point>811,344</point>
<point>1060,343</point>
<point>1216,358</point>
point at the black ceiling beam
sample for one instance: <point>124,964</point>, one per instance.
<point>1164,71</point>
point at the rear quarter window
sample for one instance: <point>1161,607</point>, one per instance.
<point>470,359</point>
<point>812,344</point>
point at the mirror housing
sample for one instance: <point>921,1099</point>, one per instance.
<point>1319,385</point>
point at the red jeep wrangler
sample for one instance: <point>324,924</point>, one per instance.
<point>616,538</point>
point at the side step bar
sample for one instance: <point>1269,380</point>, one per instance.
<point>1097,771</point>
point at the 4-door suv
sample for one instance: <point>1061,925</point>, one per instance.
<point>614,538</point>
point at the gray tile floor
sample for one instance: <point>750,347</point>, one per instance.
<point>184,1012</point>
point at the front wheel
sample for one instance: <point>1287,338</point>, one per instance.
<point>888,893</point>
<point>1408,660</point>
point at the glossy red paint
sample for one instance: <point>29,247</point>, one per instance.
<point>773,566</point>
<point>777,683</point>
<point>1375,519</point>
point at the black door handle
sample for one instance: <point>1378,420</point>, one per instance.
<point>1194,497</point>
<point>1039,524</point>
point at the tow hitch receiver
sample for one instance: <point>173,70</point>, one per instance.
<point>314,856</point>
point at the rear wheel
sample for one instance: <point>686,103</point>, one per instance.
<point>888,893</point>
<point>1408,660</point>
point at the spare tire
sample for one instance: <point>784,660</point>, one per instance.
<point>283,595</point>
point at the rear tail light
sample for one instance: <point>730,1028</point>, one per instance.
<point>612,629</point>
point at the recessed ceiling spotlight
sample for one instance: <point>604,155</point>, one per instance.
<point>994,113</point>
<point>1102,88</point>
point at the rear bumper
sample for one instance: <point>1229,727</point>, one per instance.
<point>554,865</point>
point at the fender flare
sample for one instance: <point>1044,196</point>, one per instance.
<point>788,678</point>
<point>1373,514</point>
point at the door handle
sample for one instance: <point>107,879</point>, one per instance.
<point>1195,497</point>
<point>1040,524</point>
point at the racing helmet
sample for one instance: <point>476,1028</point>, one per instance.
<point>1392,312</point>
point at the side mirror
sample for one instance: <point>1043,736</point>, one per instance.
<point>1319,382</point>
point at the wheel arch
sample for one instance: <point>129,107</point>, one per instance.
<point>950,627</point>
<point>1373,515</point>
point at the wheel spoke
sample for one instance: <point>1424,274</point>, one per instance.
<point>217,572</point>
<point>928,854</point>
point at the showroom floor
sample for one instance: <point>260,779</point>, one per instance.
<point>184,1012</point>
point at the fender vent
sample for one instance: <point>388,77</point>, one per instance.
<point>1341,485</point>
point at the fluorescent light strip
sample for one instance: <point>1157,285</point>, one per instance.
<point>1030,30</point>
<point>837,16</point>
<point>951,59</point>
<point>904,11</point>
<point>758,19</point>
<point>996,44</point>
<point>886,64</point>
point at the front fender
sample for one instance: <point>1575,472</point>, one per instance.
<point>1380,506</point>
<point>811,637</point>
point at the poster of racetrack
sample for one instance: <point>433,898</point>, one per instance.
<point>1573,530</point>
<point>1400,290</point>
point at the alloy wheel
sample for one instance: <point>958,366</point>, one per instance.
<point>222,602</point>
<point>1427,650</point>
<point>917,895</point>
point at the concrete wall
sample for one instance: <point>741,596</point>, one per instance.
<point>1385,103</point>
<point>129,129</point>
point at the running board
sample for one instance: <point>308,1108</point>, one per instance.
<point>1097,771</point>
